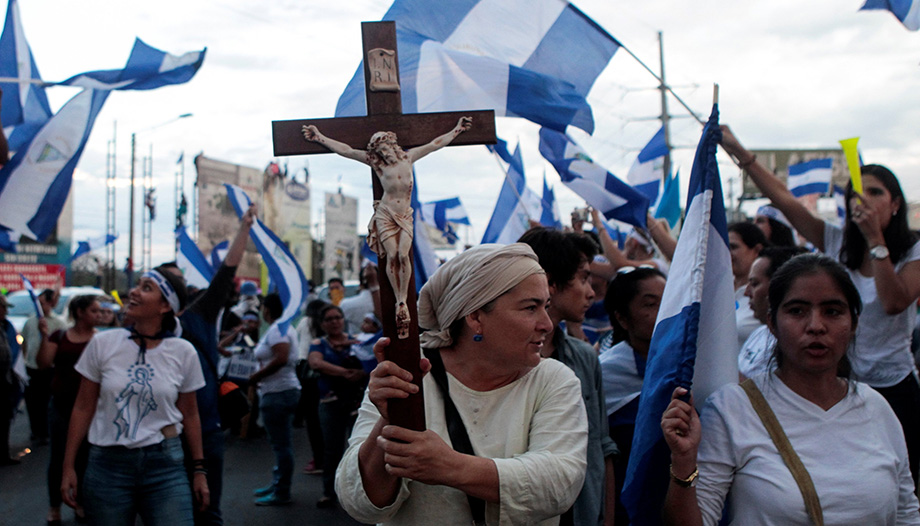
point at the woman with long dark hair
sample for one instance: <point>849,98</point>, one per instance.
<point>60,350</point>
<point>882,256</point>
<point>843,460</point>
<point>136,397</point>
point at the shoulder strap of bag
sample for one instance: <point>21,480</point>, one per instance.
<point>798,470</point>
<point>455,428</point>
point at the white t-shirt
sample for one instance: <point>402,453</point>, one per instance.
<point>137,400</point>
<point>304,337</point>
<point>622,383</point>
<point>756,352</point>
<point>355,308</point>
<point>744,317</point>
<point>285,378</point>
<point>882,355</point>
<point>535,430</point>
<point>854,452</point>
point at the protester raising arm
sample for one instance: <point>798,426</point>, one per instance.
<point>614,255</point>
<point>809,226</point>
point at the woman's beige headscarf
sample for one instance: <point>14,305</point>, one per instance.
<point>467,282</point>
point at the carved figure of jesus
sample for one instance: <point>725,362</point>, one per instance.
<point>389,233</point>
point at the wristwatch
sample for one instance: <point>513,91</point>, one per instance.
<point>688,482</point>
<point>878,252</point>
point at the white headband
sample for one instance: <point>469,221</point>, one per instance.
<point>165,288</point>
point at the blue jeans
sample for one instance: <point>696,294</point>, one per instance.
<point>336,420</point>
<point>121,483</point>
<point>278,416</point>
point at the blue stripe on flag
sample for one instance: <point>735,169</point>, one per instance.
<point>283,270</point>
<point>810,177</point>
<point>34,297</point>
<point>516,204</point>
<point>907,11</point>
<point>147,68</point>
<point>425,261</point>
<point>695,339</point>
<point>194,266</point>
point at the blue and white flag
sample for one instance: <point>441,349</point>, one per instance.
<point>840,198</point>
<point>535,59</point>
<point>36,181</point>
<point>549,216</point>
<point>33,296</point>
<point>907,11</point>
<point>85,247</point>
<point>218,253</point>
<point>517,205</point>
<point>425,261</point>
<point>283,270</point>
<point>194,266</point>
<point>25,106</point>
<point>441,214</point>
<point>599,188</point>
<point>810,177</point>
<point>147,68</point>
<point>647,172</point>
<point>669,205</point>
<point>695,341</point>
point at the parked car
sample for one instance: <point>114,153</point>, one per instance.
<point>21,307</point>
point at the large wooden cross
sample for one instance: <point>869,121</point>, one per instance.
<point>384,113</point>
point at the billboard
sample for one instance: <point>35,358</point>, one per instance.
<point>341,250</point>
<point>286,205</point>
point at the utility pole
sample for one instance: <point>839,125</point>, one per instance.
<point>665,116</point>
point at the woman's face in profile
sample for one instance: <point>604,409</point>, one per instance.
<point>813,326</point>
<point>516,329</point>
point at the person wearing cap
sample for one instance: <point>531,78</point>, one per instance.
<point>775,226</point>
<point>486,320</point>
<point>136,397</point>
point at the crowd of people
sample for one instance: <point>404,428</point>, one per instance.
<point>534,357</point>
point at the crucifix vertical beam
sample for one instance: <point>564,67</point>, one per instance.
<point>384,113</point>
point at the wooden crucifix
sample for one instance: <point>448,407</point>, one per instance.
<point>372,140</point>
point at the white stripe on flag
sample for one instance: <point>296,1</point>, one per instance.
<point>471,82</point>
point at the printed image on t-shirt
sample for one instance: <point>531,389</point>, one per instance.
<point>135,401</point>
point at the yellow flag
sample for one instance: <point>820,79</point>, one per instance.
<point>852,155</point>
<point>114,294</point>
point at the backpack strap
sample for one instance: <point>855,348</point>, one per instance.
<point>791,459</point>
<point>459,438</point>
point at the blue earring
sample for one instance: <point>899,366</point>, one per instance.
<point>477,338</point>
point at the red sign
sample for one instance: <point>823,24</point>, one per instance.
<point>41,276</point>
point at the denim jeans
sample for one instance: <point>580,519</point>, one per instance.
<point>336,420</point>
<point>121,483</point>
<point>278,416</point>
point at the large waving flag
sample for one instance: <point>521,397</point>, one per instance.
<point>647,171</point>
<point>549,215</point>
<point>85,247</point>
<point>283,270</point>
<point>25,106</point>
<point>194,266</point>
<point>907,11</point>
<point>695,340</point>
<point>441,214</point>
<point>601,189</point>
<point>810,177</point>
<point>535,59</point>
<point>517,205</point>
<point>36,181</point>
<point>147,68</point>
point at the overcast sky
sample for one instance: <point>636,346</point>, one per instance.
<point>792,74</point>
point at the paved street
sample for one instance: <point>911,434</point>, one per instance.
<point>24,494</point>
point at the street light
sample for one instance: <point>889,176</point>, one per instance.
<point>129,270</point>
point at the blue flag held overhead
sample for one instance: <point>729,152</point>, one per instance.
<point>25,106</point>
<point>283,270</point>
<point>514,56</point>
<point>517,204</point>
<point>840,198</point>
<point>695,340</point>
<point>194,266</point>
<point>85,247</point>
<point>810,177</point>
<point>599,188</point>
<point>647,172</point>
<point>424,261</point>
<point>907,11</point>
<point>549,215</point>
<point>669,205</point>
<point>441,214</point>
